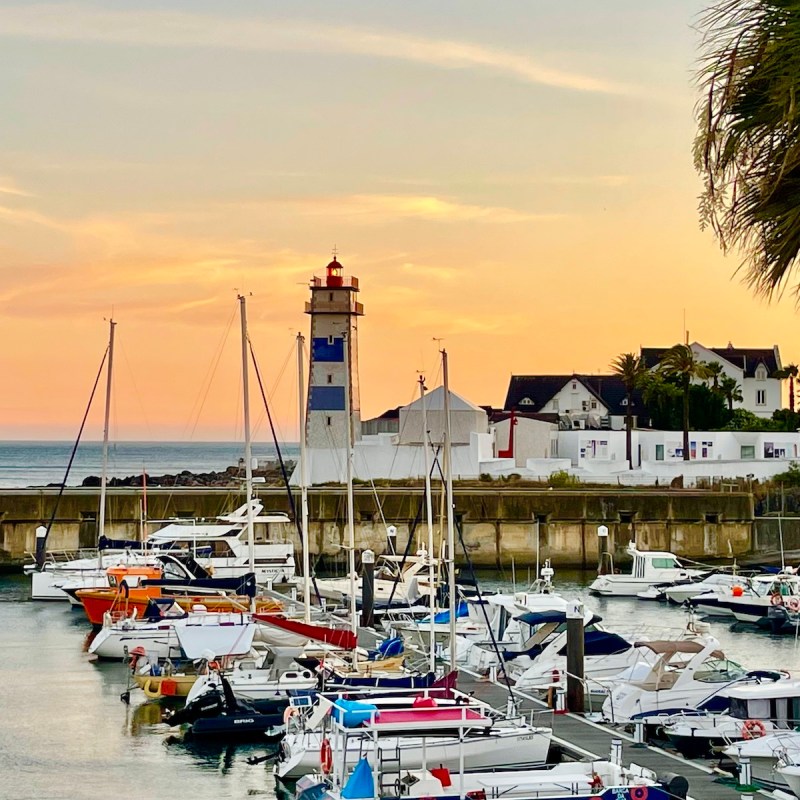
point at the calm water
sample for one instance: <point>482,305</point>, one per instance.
<point>40,463</point>
<point>65,734</point>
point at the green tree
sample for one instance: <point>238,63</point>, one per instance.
<point>680,363</point>
<point>731,391</point>
<point>747,148</point>
<point>630,368</point>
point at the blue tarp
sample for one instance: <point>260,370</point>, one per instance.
<point>361,784</point>
<point>601,643</point>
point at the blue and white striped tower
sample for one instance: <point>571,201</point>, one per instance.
<point>334,353</point>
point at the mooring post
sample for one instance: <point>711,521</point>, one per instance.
<point>575,692</point>
<point>745,771</point>
<point>367,589</point>
<point>602,549</point>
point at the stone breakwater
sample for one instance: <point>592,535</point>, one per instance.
<point>498,525</point>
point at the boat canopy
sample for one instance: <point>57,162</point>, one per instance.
<point>761,691</point>
<point>601,643</point>
<point>663,646</point>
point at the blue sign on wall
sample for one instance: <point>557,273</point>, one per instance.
<point>326,398</point>
<point>323,350</point>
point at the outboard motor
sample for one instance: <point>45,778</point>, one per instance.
<point>209,704</point>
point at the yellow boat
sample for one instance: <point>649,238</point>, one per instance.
<point>157,686</point>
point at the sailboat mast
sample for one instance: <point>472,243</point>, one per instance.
<point>248,454</point>
<point>306,543</point>
<point>351,531</point>
<point>429,515</point>
<point>101,521</point>
<point>451,537</point>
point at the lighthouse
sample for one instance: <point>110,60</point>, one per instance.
<point>333,369</point>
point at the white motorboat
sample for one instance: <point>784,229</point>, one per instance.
<point>176,634</point>
<point>649,568</point>
<point>223,545</point>
<point>770,705</point>
<point>681,592</point>
<point>768,755</point>
<point>414,737</point>
<point>790,773</point>
<point>686,673</point>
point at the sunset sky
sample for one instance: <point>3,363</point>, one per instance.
<point>512,178</point>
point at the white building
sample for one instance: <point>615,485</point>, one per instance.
<point>580,401</point>
<point>752,369</point>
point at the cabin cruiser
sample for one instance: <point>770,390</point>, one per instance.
<point>223,544</point>
<point>649,568</point>
<point>765,591</point>
<point>686,673</point>
<point>769,756</point>
<point>413,736</point>
<point>543,663</point>
<point>769,705</point>
<point>681,592</point>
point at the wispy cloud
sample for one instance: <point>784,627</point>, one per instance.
<point>383,208</point>
<point>9,186</point>
<point>72,22</point>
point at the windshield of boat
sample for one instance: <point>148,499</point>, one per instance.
<point>719,670</point>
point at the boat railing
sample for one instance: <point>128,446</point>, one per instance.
<point>56,557</point>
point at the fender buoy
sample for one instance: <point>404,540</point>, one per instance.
<point>555,676</point>
<point>753,729</point>
<point>776,599</point>
<point>326,756</point>
<point>639,793</point>
<point>148,689</point>
<point>793,604</point>
<point>288,713</point>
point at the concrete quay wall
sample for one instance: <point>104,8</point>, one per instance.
<point>499,524</point>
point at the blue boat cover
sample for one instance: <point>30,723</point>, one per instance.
<point>601,643</point>
<point>443,617</point>
<point>541,617</point>
<point>351,713</point>
<point>360,785</point>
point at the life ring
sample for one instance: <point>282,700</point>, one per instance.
<point>793,604</point>
<point>639,793</point>
<point>776,599</point>
<point>326,756</point>
<point>753,729</point>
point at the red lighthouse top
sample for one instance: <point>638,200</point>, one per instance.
<point>333,276</point>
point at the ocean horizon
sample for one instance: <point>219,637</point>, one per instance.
<point>40,463</point>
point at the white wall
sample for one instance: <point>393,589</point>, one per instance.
<point>532,438</point>
<point>571,399</point>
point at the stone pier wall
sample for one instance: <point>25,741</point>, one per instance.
<point>498,524</point>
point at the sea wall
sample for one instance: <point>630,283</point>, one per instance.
<point>498,524</point>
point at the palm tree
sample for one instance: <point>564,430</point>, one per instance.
<point>731,391</point>
<point>631,370</point>
<point>680,362</point>
<point>715,370</point>
<point>747,148</point>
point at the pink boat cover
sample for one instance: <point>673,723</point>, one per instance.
<point>423,715</point>
<point>338,637</point>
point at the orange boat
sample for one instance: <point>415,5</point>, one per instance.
<point>126,594</point>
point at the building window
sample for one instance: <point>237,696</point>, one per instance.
<point>330,340</point>
<point>761,397</point>
<point>330,297</point>
<point>761,373</point>
<point>329,420</point>
<point>574,386</point>
<point>330,378</point>
<point>594,404</point>
<point>526,401</point>
<point>555,404</point>
<point>624,401</point>
<point>659,452</point>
